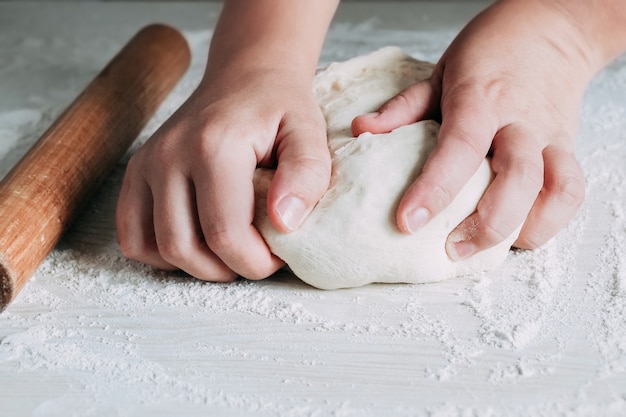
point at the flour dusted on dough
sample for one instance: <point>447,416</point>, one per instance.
<point>351,238</point>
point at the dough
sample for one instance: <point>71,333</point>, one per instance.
<point>351,238</point>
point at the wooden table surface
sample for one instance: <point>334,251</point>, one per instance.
<point>94,334</point>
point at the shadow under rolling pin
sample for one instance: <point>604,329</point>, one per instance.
<point>42,194</point>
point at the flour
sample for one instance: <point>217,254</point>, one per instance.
<point>95,334</point>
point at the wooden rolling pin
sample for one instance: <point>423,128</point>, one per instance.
<point>45,190</point>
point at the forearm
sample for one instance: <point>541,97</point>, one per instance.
<point>268,33</point>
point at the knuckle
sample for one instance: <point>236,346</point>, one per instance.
<point>137,167</point>
<point>569,189</point>
<point>219,275</point>
<point>227,277</point>
<point>226,244</point>
<point>162,154</point>
<point>494,231</point>
<point>256,274</point>
<point>307,176</point>
<point>403,101</point>
<point>532,239</point>
<point>173,251</point>
<point>204,147</point>
<point>223,242</point>
<point>133,248</point>
<point>529,171</point>
<point>403,98</point>
<point>468,142</point>
<point>438,192</point>
<point>318,168</point>
<point>130,249</point>
<point>442,194</point>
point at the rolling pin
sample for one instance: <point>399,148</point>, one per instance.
<point>41,195</point>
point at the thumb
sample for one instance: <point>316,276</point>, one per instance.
<point>417,102</point>
<point>302,177</point>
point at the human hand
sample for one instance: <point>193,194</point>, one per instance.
<point>187,200</point>
<point>509,86</point>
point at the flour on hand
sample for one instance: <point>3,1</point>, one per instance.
<point>351,237</point>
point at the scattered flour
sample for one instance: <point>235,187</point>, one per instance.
<point>94,334</point>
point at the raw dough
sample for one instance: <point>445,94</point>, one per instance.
<point>351,238</point>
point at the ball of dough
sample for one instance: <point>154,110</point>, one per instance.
<point>351,237</point>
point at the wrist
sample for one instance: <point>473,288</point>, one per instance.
<point>593,29</point>
<point>267,34</point>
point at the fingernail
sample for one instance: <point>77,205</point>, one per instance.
<point>461,250</point>
<point>372,114</point>
<point>416,219</point>
<point>291,210</point>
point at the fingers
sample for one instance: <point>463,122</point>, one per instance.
<point>302,177</point>
<point>191,207</point>
<point>225,204</point>
<point>134,222</point>
<point>178,234</point>
<point>417,102</point>
<point>518,166</point>
<point>562,194</point>
<point>157,225</point>
<point>464,139</point>
<point>199,222</point>
<point>467,133</point>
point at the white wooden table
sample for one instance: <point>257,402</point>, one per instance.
<point>96,335</point>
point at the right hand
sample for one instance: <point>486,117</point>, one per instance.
<point>187,200</point>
